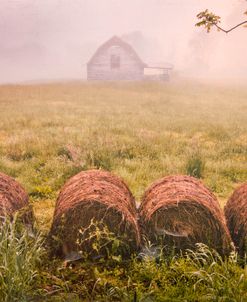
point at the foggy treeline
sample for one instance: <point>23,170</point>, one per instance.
<point>54,39</point>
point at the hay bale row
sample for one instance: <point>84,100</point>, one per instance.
<point>180,211</point>
<point>236,216</point>
<point>93,195</point>
<point>13,198</point>
<point>175,211</point>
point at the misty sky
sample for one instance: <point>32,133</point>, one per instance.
<point>54,39</point>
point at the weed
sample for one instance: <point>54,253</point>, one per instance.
<point>102,242</point>
<point>195,165</point>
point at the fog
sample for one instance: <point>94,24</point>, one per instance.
<point>54,39</point>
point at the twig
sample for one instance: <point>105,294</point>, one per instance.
<point>227,31</point>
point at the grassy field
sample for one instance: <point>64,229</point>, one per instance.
<point>141,132</point>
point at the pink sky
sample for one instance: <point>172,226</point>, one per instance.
<point>52,39</point>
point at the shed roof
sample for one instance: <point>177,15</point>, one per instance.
<point>117,41</point>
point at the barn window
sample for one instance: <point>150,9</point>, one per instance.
<point>115,62</point>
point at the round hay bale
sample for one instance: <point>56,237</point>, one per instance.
<point>13,198</point>
<point>236,217</point>
<point>93,195</point>
<point>179,211</point>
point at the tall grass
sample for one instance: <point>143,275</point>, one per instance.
<point>199,275</point>
<point>20,254</point>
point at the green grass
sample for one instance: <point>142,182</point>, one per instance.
<point>27,273</point>
<point>198,276</point>
<point>140,131</point>
<point>20,256</point>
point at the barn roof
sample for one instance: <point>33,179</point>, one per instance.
<point>117,41</point>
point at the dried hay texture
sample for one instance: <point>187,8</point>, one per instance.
<point>179,211</point>
<point>13,198</point>
<point>236,217</point>
<point>97,195</point>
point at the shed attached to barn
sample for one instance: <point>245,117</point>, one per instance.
<point>115,60</point>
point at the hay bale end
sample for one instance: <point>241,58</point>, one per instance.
<point>179,211</point>
<point>93,195</point>
<point>13,198</point>
<point>236,217</point>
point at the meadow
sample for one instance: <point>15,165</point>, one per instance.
<point>141,132</point>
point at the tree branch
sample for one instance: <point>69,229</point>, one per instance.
<point>208,20</point>
<point>227,31</point>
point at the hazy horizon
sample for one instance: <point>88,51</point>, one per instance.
<point>54,39</point>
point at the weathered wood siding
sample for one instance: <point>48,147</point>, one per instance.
<point>100,69</point>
